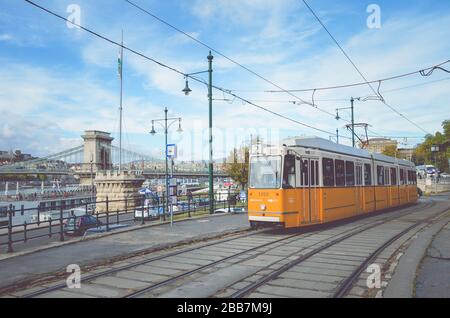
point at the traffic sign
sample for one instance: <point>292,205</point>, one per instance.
<point>171,151</point>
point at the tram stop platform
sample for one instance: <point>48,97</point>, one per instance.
<point>106,248</point>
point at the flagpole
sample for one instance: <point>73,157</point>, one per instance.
<point>120,108</point>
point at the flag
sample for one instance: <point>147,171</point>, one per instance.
<point>119,60</point>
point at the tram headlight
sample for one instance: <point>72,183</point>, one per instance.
<point>262,207</point>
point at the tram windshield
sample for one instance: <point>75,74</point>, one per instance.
<point>265,172</point>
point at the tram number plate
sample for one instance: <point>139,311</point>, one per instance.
<point>263,194</point>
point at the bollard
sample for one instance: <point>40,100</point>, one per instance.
<point>189,207</point>
<point>50,234</point>
<point>164,207</point>
<point>39,216</point>
<point>10,249</point>
<point>61,223</point>
<point>25,237</point>
<point>143,210</point>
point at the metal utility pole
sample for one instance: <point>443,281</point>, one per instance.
<point>353,122</point>
<point>166,132</point>
<point>187,91</point>
<point>120,107</point>
<point>211,168</point>
<point>337,135</point>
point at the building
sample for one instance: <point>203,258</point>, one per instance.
<point>405,153</point>
<point>378,145</point>
<point>8,157</point>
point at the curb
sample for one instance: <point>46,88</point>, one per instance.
<point>53,245</point>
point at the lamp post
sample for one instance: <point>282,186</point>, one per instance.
<point>187,91</point>
<point>166,127</point>
<point>435,151</point>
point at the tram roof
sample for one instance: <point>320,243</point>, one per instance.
<point>327,145</point>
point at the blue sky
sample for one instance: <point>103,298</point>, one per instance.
<point>56,82</point>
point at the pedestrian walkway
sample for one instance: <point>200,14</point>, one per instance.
<point>109,247</point>
<point>433,278</point>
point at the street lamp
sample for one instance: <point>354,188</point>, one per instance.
<point>187,91</point>
<point>167,123</point>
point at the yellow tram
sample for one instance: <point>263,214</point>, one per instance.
<point>308,181</point>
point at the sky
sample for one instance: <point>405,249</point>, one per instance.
<point>56,82</point>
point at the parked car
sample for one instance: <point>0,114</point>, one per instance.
<point>79,224</point>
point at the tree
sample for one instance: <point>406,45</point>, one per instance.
<point>390,150</point>
<point>237,166</point>
<point>423,154</point>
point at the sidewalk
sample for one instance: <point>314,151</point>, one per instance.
<point>423,268</point>
<point>109,247</point>
<point>433,278</point>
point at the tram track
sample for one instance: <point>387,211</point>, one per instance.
<point>148,289</point>
<point>250,252</point>
<point>345,286</point>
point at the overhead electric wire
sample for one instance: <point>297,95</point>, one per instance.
<point>421,71</point>
<point>146,11</point>
<point>169,67</point>
<point>360,73</point>
<point>216,51</point>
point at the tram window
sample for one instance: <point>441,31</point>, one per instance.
<point>289,172</point>
<point>402,177</point>
<point>349,173</point>
<point>359,180</point>
<point>410,177</point>
<point>380,175</point>
<point>386,176</point>
<point>314,172</point>
<point>328,172</point>
<point>304,167</point>
<point>340,172</point>
<point>393,176</point>
<point>367,174</point>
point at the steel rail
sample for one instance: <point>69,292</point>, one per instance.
<point>135,264</point>
<point>347,284</point>
<point>186,274</point>
<point>253,286</point>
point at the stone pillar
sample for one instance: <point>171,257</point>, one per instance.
<point>97,147</point>
<point>118,186</point>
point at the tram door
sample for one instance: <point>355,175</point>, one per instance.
<point>359,190</point>
<point>309,182</point>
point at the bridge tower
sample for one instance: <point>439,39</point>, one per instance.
<point>97,148</point>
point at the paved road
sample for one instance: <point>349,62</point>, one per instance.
<point>106,248</point>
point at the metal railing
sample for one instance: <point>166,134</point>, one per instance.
<point>136,210</point>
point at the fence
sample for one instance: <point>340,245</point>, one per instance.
<point>77,218</point>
